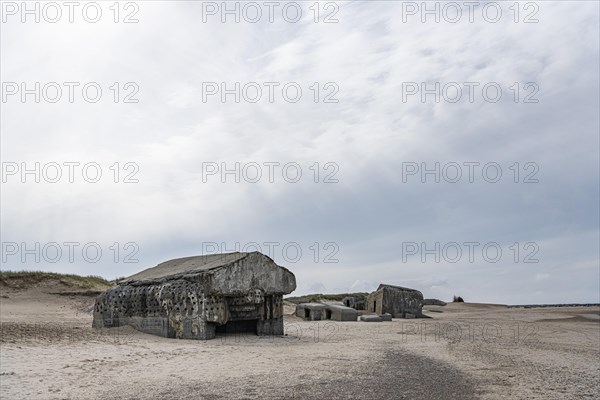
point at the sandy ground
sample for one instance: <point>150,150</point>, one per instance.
<point>49,351</point>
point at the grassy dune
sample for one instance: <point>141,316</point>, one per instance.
<point>26,279</point>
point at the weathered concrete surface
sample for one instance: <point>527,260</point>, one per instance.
<point>310,311</point>
<point>397,301</point>
<point>386,317</point>
<point>355,302</point>
<point>433,302</point>
<point>326,311</point>
<point>340,313</point>
<point>196,297</point>
<point>371,318</point>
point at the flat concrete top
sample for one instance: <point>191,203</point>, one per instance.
<point>384,285</point>
<point>312,306</point>
<point>332,303</point>
<point>186,265</point>
<point>340,307</point>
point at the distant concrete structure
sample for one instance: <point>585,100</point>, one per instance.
<point>376,318</point>
<point>371,318</point>
<point>196,297</point>
<point>386,317</point>
<point>433,302</point>
<point>398,301</point>
<point>355,302</point>
<point>310,311</point>
<point>340,313</point>
<point>325,311</point>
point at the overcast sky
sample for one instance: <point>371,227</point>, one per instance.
<point>361,213</point>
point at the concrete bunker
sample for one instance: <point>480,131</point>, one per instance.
<point>398,301</point>
<point>310,311</point>
<point>196,297</point>
<point>325,311</point>
<point>355,302</point>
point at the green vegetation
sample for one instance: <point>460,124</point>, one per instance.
<point>25,279</point>
<point>331,297</point>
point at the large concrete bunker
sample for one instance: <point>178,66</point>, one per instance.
<point>398,301</point>
<point>196,297</point>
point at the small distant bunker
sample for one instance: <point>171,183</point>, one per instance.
<point>434,302</point>
<point>310,311</point>
<point>355,302</point>
<point>196,297</point>
<point>319,311</point>
<point>341,313</point>
<point>398,301</point>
